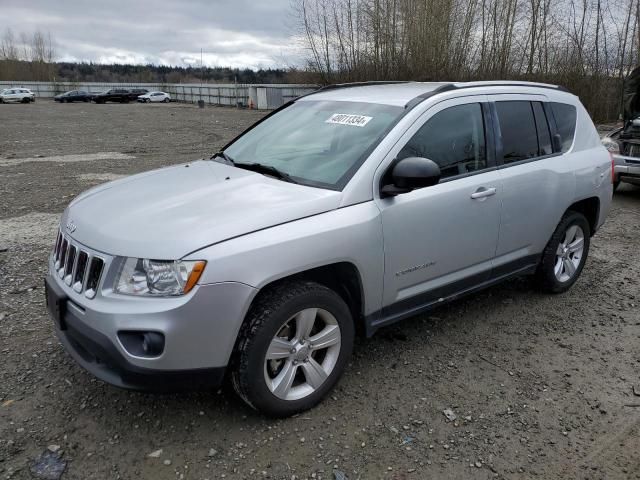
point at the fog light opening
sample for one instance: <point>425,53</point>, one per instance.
<point>142,344</point>
<point>152,343</point>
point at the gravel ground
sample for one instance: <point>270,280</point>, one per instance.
<point>540,386</point>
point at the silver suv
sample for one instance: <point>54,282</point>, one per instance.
<point>343,211</point>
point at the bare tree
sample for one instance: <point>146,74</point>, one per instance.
<point>586,45</point>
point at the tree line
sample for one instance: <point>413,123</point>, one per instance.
<point>31,57</point>
<point>588,46</point>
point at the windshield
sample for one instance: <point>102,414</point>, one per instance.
<point>318,143</point>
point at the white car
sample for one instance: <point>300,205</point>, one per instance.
<point>155,97</point>
<point>22,95</point>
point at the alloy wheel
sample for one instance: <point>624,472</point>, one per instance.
<point>569,253</point>
<point>302,354</point>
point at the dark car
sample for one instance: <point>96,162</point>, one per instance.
<point>121,95</point>
<point>73,96</point>
<point>134,93</point>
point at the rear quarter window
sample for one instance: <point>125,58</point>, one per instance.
<point>565,116</point>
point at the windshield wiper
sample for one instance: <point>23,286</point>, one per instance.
<point>265,169</point>
<point>256,167</point>
<point>223,155</point>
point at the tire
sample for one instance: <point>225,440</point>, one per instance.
<point>280,312</point>
<point>166,100</point>
<point>560,267</point>
<point>616,184</point>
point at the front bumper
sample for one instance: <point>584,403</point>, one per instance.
<point>626,169</point>
<point>199,329</point>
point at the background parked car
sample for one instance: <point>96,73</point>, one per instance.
<point>17,94</point>
<point>73,96</point>
<point>155,97</point>
<point>121,95</point>
<point>623,143</point>
<point>134,93</point>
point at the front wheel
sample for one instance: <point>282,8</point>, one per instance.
<point>565,255</point>
<point>292,348</point>
<point>166,100</point>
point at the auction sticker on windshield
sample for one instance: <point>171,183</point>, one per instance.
<point>348,119</point>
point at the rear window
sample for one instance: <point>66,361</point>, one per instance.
<point>518,129</point>
<point>565,116</point>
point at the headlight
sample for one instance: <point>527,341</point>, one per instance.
<point>141,276</point>
<point>611,145</point>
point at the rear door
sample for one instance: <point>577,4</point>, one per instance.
<point>536,181</point>
<point>442,239</point>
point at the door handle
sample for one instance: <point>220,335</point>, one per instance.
<point>483,192</point>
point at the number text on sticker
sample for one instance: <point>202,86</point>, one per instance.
<point>349,119</point>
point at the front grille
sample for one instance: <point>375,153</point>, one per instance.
<point>78,268</point>
<point>631,149</point>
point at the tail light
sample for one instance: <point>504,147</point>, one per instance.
<point>613,168</point>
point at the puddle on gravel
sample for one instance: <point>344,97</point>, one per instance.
<point>89,157</point>
<point>33,229</point>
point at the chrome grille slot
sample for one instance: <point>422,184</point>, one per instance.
<point>93,277</point>
<point>68,268</point>
<point>81,268</point>
<point>63,256</point>
<point>56,251</point>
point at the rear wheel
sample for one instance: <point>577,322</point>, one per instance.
<point>292,348</point>
<point>565,255</point>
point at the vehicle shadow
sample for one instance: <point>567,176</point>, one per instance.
<point>627,191</point>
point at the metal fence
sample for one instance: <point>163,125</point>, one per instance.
<point>261,96</point>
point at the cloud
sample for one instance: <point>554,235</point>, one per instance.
<point>239,33</point>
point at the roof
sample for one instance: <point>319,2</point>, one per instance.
<point>401,93</point>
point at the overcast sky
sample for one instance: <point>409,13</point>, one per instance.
<point>236,33</point>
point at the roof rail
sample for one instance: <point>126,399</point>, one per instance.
<point>459,86</point>
<point>335,86</point>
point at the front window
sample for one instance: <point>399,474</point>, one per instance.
<point>453,138</point>
<point>317,143</point>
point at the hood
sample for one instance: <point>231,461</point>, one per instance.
<point>166,214</point>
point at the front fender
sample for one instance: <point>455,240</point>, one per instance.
<point>351,234</point>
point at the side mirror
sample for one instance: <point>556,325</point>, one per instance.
<point>410,174</point>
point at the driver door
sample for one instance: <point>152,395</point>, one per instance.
<point>440,240</point>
